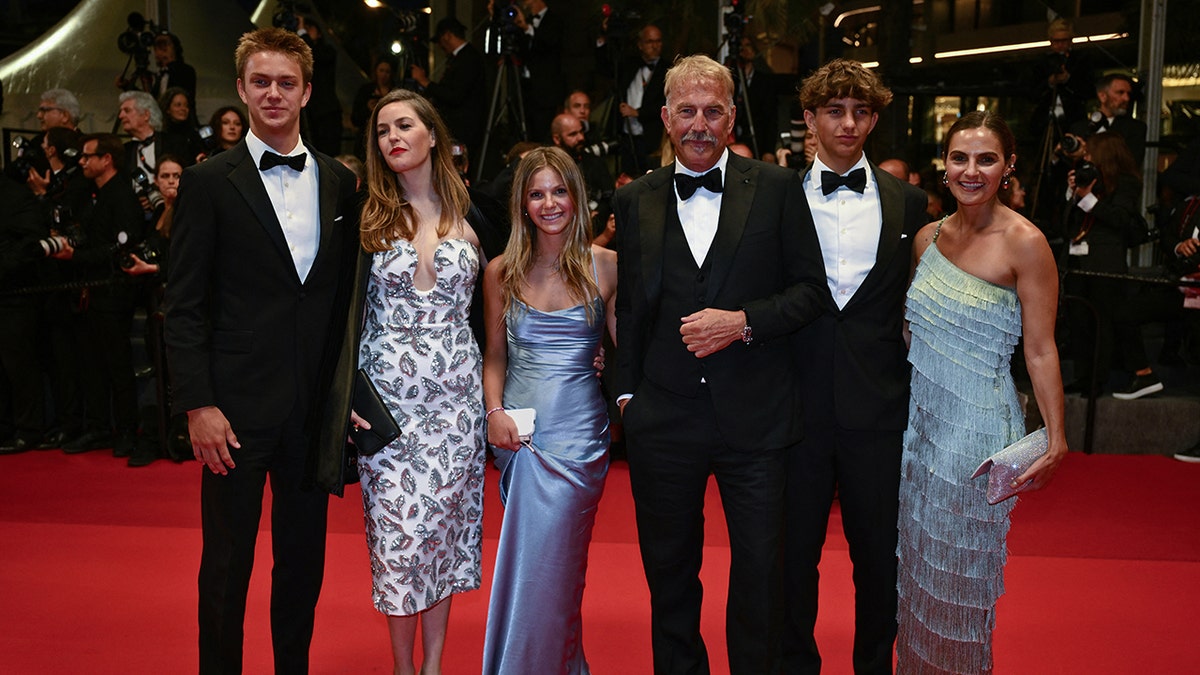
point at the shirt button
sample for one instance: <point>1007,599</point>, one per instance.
<point>285,183</point>
<point>842,292</point>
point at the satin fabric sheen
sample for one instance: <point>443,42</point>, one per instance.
<point>550,490</point>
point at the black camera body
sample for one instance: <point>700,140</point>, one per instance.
<point>29,156</point>
<point>1085,173</point>
<point>144,188</point>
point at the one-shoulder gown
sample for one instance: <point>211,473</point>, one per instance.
<point>963,409</point>
<point>550,491</point>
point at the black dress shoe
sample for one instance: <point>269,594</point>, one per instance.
<point>125,445</point>
<point>15,445</point>
<point>57,438</point>
<point>91,440</point>
<point>141,458</point>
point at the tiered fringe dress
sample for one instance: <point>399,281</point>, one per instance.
<point>963,409</point>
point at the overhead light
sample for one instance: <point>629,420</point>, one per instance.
<point>397,47</point>
<point>1024,45</point>
<point>373,4</point>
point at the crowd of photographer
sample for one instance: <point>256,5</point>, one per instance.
<point>101,244</point>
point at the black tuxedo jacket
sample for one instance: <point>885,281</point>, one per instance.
<point>759,265</point>
<point>242,331</point>
<point>542,55</point>
<point>458,96</point>
<point>857,354</point>
<point>1131,129</point>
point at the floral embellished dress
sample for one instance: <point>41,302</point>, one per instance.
<point>423,493</point>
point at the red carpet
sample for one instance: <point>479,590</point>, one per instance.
<point>98,568</point>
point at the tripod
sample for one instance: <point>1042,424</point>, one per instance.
<point>512,108</point>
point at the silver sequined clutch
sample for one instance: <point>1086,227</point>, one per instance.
<point>1003,467</point>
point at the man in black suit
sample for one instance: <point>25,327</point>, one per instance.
<point>542,73</point>
<point>1115,91</point>
<point>639,99</point>
<point>457,95</point>
<point>142,119</point>
<point>854,372</point>
<point>261,256</point>
<point>710,288</point>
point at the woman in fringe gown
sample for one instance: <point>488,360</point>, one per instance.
<point>984,278</point>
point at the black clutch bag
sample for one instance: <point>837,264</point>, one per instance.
<point>370,406</point>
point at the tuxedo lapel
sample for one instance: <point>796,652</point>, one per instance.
<point>736,200</point>
<point>327,200</point>
<point>654,209</point>
<point>246,180</point>
<point>891,207</point>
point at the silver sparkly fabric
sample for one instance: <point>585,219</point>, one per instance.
<point>963,409</point>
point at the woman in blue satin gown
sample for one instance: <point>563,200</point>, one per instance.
<point>546,303</point>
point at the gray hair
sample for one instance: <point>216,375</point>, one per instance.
<point>65,101</point>
<point>144,103</point>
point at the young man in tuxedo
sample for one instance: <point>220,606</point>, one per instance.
<point>262,249</point>
<point>711,286</point>
<point>853,369</point>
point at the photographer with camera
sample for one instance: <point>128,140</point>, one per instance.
<point>111,225</point>
<point>541,53</point>
<point>179,119</point>
<point>1104,219</point>
<point>639,97</point>
<point>22,400</point>
<point>1062,81</point>
<point>142,119</point>
<point>463,80</point>
<point>148,261</point>
<point>57,108</point>
<point>172,71</point>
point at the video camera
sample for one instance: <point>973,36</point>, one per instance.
<point>503,37</point>
<point>138,38</point>
<point>286,16</point>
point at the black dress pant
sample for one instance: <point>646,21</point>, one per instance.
<point>110,388</point>
<point>674,445</point>
<point>231,507</point>
<point>864,469</point>
<point>20,374</point>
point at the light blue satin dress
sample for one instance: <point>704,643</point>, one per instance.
<point>550,493</point>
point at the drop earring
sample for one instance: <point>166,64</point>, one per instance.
<point>945,180</point>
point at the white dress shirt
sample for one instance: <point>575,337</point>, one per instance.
<point>294,197</point>
<point>699,215</point>
<point>848,226</point>
<point>634,96</point>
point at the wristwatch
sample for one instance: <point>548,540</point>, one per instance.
<point>747,334</point>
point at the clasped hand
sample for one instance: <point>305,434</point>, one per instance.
<point>710,330</point>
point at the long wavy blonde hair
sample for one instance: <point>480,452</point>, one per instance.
<point>575,259</point>
<point>387,215</point>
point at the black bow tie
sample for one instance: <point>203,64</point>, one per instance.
<point>271,160</point>
<point>855,180</point>
<point>687,185</point>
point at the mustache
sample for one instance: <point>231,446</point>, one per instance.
<point>698,137</point>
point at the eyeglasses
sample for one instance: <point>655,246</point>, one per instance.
<point>45,109</point>
<point>83,156</point>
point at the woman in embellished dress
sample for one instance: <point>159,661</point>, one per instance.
<point>985,277</point>
<point>547,301</point>
<point>423,493</point>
